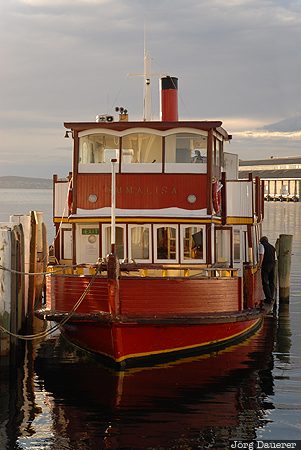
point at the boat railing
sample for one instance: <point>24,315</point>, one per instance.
<point>146,270</point>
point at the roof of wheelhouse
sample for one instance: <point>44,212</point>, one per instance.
<point>156,125</point>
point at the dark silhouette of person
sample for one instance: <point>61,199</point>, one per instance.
<point>267,253</point>
<point>197,158</point>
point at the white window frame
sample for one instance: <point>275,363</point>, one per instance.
<point>79,244</point>
<point>103,239</point>
<point>130,227</point>
<point>188,167</point>
<point>169,261</point>
<point>103,167</point>
<point>66,243</point>
<point>182,231</point>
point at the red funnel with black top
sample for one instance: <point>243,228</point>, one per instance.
<point>169,99</point>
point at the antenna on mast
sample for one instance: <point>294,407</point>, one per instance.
<point>147,100</point>
<point>147,74</point>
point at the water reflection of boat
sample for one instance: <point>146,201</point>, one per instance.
<point>199,401</point>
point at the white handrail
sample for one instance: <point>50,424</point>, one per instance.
<point>113,206</point>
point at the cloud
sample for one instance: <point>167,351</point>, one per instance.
<point>43,3</point>
<point>283,135</point>
<point>68,59</point>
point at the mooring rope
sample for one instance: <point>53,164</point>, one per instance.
<point>59,268</point>
<point>42,334</point>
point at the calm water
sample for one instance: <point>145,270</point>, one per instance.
<point>17,201</point>
<point>57,399</point>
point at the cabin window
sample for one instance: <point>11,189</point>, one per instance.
<point>255,242</point>
<point>141,152</point>
<point>96,152</point>
<point>66,243</point>
<point>193,243</point>
<point>140,243</point>
<point>236,245</point>
<point>166,238</point>
<point>245,247</point>
<point>217,155</point>
<point>223,247</point>
<point>119,244</point>
<point>186,152</point>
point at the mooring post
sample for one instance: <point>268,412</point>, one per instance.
<point>284,266</point>
<point>276,277</point>
<point>32,269</point>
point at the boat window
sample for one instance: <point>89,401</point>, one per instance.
<point>255,242</point>
<point>141,151</point>
<point>66,243</point>
<point>217,155</point>
<point>223,247</point>
<point>139,243</point>
<point>166,243</point>
<point>236,245</point>
<point>186,152</point>
<point>120,239</point>
<point>193,243</point>
<point>245,247</point>
<point>96,150</point>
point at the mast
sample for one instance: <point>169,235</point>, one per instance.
<point>147,100</point>
<point>147,74</point>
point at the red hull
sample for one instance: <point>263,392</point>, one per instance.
<point>156,318</point>
<point>129,344</point>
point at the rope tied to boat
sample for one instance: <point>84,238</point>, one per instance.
<point>53,272</point>
<point>43,334</point>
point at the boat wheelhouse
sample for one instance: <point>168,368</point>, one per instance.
<point>156,251</point>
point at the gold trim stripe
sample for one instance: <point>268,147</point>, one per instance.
<point>134,220</point>
<point>239,220</point>
<point>230,220</point>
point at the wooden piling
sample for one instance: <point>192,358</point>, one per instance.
<point>5,289</point>
<point>276,277</point>
<point>32,269</point>
<point>284,266</point>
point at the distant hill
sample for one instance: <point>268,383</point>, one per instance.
<point>25,183</point>
<point>289,124</point>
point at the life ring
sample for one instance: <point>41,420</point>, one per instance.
<point>216,195</point>
<point>70,199</point>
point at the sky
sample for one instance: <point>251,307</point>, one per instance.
<point>238,61</point>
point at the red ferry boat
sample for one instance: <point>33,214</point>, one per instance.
<point>156,252</point>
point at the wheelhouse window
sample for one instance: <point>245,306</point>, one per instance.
<point>186,152</point>
<point>223,247</point>
<point>141,152</point>
<point>166,248</point>
<point>96,152</point>
<point>193,243</point>
<point>140,243</point>
<point>119,244</point>
<point>217,157</point>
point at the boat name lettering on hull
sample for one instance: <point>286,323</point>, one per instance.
<point>139,190</point>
